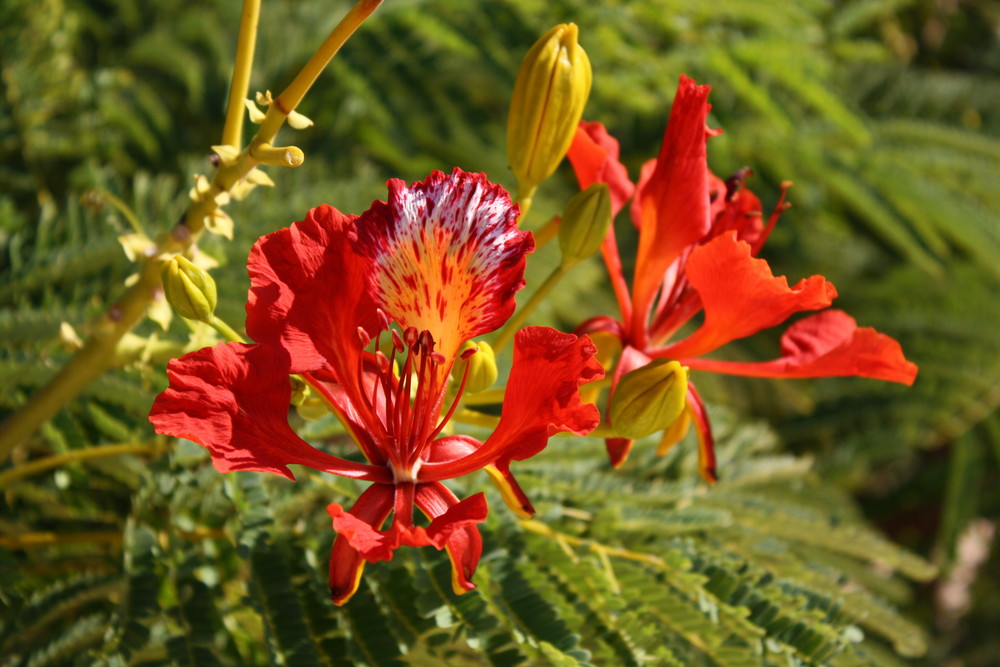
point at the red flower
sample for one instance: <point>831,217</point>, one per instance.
<point>698,237</point>
<point>442,260</point>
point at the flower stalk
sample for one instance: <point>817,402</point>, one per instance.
<point>521,316</point>
<point>246,41</point>
<point>37,466</point>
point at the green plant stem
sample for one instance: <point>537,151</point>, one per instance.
<point>517,321</point>
<point>225,330</point>
<point>524,200</point>
<point>97,354</point>
<point>546,232</point>
<point>88,454</point>
<point>539,528</point>
<point>246,41</point>
<point>291,96</point>
<point>38,540</point>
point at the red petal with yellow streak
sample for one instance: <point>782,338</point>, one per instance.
<point>453,527</point>
<point>346,563</point>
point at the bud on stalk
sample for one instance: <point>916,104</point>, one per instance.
<point>549,95</point>
<point>585,223</point>
<point>189,290</point>
<point>649,399</point>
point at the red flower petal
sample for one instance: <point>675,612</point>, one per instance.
<point>453,527</point>
<point>824,345</point>
<point>364,535</point>
<point>542,399</point>
<point>307,293</point>
<point>454,447</point>
<point>618,450</point>
<point>594,156</point>
<point>355,416</point>
<point>451,447</point>
<point>233,400</point>
<point>636,210</point>
<point>449,255</point>
<point>706,441</point>
<point>741,296</point>
<point>359,538</point>
<point>674,203</point>
<point>368,514</point>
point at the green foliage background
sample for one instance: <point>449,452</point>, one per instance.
<point>885,114</point>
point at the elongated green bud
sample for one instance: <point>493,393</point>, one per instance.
<point>188,289</point>
<point>585,223</point>
<point>482,366</point>
<point>649,399</point>
<point>549,95</point>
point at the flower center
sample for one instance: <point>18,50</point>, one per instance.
<point>404,385</point>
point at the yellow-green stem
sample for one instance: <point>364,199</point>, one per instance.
<point>232,131</point>
<point>539,528</point>
<point>88,454</point>
<point>300,85</point>
<point>37,540</point>
<point>546,232</point>
<point>524,311</point>
<point>225,330</point>
<point>525,204</point>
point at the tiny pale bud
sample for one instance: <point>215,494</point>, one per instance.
<point>482,367</point>
<point>649,399</point>
<point>585,223</point>
<point>550,92</point>
<point>189,290</point>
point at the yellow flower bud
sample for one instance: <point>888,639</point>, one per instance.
<point>585,223</point>
<point>649,399</point>
<point>188,289</point>
<point>482,367</point>
<point>549,95</point>
<point>308,405</point>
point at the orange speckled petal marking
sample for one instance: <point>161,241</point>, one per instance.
<point>446,255</point>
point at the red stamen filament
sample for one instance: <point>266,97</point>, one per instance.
<point>408,419</point>
<point>454,403</point>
